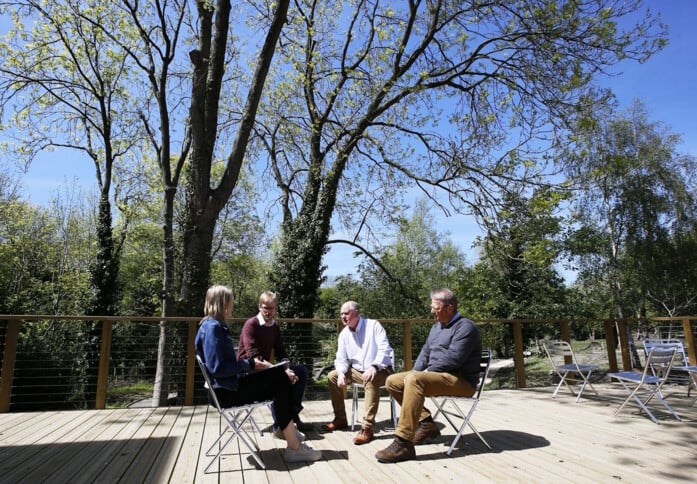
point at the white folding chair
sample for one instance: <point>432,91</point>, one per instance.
<point>355,388</point>
<point>649,382</point>
<point>457,403</point>
<point>687,374</point>
<point>235,418</point>
<point>565,365</point>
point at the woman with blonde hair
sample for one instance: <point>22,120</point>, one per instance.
<point>247,380</point>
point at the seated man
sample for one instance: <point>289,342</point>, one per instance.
<point>363,355</point>
<point>448,364</point>
<point>259,337</point>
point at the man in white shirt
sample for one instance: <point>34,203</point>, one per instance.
<point>363,355</point>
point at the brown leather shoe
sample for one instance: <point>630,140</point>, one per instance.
<point>336,424</point>
<point>363,437</point>
<point>426,432</point>
<point>397,451</point>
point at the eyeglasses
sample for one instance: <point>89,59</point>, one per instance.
<point>438,308</point>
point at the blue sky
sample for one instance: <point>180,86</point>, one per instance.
<point>666,84</point>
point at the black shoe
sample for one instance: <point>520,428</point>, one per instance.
<point>304,427</point>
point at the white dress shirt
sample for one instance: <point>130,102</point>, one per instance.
<point>366,346</point>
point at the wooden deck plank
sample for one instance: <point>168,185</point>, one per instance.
<point>60,447</point>
<point>39,444</point>
<point>535,438</point>
<point>112,460</point>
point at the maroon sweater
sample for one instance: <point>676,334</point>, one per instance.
<point>258,341</point>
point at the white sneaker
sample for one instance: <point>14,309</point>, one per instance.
<point>304,454</point>
<point>278,433</point>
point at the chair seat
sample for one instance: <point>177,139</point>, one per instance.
<point>692,369</point>
<point>634,377</point>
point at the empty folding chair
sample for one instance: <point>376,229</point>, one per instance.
<point>235,418</point>
<point>682,372</point>
<point>566,366</point>
<point>648,383</point>
<point>456,407</point>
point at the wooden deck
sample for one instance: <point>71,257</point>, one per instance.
<point>535,439</point>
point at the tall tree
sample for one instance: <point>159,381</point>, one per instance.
<point>375,100</point>
<point>65,86</point>
<point>520,249</point>
<point>123,72</point>
<point>637,195</point>
<point>206,197</point>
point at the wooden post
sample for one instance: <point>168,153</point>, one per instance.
<point>103,370</point>
<point>406,342</point>
<point>611,343</point>
<point>190,364</point>
<point>7,371</point>
<point>690,341</point>
<point>518,356</point>
<point>624,345</point>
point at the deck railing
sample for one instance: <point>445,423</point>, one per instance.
<point>96,351</point>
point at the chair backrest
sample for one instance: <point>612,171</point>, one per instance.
<point>659,361</point>
<point>484,365</point>
<point>680,354</point>
<point>559,353</point>
<point>208,383</point>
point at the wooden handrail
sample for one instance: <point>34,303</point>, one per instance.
<point>13,326</point>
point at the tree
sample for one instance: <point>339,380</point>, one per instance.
<point>375,100</point>
<point>204,202</point>
<point>636,195</point>
<point>66,87</point>
<point>397,283</point>
<point>129,51</point>
<point>518,255</point>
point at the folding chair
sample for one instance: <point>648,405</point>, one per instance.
<point>687,374</point>
<point>355,387</point>
<point>565,363</point>
<point>235,418</point>
<point>649,382</point>
<point>456,401</point>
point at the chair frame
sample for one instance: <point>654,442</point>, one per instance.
<point>355,387</point>
<point>681,355</point>
<point>457,412</point>
<point>571,366</point>
<point>649,382</point>
<point>235,417</point>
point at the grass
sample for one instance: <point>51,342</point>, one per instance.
<point>121,396</point>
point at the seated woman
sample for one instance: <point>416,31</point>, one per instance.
<point>246,381</point>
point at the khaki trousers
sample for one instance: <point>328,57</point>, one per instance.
<point>410,389</point>
<point>372,394</point>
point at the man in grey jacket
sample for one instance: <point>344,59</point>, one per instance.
<point>448,364</point>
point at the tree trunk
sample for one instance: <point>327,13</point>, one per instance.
<point>162,373</point>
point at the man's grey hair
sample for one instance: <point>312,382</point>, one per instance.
<point>353,305</point>
<point>446,296</point>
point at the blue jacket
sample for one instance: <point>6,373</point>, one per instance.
<point>214,345</point>
<point>454,348</point>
